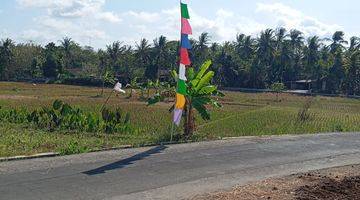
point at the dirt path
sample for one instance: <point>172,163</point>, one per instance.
<point>341,183</point>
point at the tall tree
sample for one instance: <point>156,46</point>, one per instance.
<point>6,55</point>
<point>52,66</point>
<point>296,43</point>
<point>336,73</point>
<point>67,47</point>
<point>114,52</point>
<point>265,57</point>
<point>201,49</point>
<point>142,52</point>
<point>282,57</point>
<point>338,42</point>
<point>313,68</point>
<point>352,64</point>
<point>160,55</point>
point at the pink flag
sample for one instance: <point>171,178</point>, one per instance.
<point>177,116</point>
<point>185,27</point>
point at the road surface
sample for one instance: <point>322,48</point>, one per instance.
<point>174,171</point>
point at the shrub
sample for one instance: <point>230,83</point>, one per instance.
<point>62,116</point>
<point>277,88</point>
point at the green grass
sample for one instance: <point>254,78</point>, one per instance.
<point>243,114</point>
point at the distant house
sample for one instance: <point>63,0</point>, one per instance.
<point>306,86</point>
<point>301,84</point>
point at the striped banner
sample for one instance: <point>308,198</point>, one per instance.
<point>185,45</point>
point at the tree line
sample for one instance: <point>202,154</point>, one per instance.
<point>275,56</point>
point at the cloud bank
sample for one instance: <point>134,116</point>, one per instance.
<point>85,20</point>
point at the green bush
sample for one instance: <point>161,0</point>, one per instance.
<point>73,148</point>
<point>62,116</point>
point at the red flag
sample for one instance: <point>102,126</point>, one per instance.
<point>184,57</point>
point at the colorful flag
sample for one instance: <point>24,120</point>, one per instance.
<point>180,101</point>
<point>177,116</point>
<point>185,27</point>
<point>181,87</point>
<point>184,57</point>
<point>184,11</point>
<point>185,44</point>
<point>182,72</point>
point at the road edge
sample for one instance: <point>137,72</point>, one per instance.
<point>57,154</point>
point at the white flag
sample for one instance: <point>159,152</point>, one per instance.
<point>118,87</point>
<point>182,72</point>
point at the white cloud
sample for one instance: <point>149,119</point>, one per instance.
<point>143,16</point>
<point>45,3</point>
<point>50,29</point>
<point>226,24</point>
<point>72,9</point>
<point>109,16</point>
<point>290,18</point>
<point>78,19</point>
<point>83,20</point>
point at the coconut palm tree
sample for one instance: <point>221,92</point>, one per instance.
<point>312,55</point>
<point>201,49</point>
<point>352,64</point>
<point>244,46</point>
<point>280,35</point>
<point>296,44</point>
<point>354,44</point>
<point>265,46</point>
<point>114,52</point>
<point>283,63</point>
<point>239,42</point>
<point>142,52</point>
<point>313,69</point>
<point>296,39</point>
<point>161,54</point>
<point>265,55</point>
<point>6,55</point>
<point>338,42</point>
<point>248,47</point>
<point>67,47</point>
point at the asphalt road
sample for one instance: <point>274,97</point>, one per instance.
<point>175,171</point>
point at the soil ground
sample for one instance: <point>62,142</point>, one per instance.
<point>341,183</point>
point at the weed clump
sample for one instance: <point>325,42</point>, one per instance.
<point>304,112</point>
<point>62,116</point>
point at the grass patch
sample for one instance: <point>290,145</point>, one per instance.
<point>243,114</point>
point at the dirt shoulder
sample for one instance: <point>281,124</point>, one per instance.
<point>328,184</point>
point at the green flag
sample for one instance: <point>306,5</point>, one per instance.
<point>184,11</point>
<point>181,89</point>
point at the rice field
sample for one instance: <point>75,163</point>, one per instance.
<point>242,114</point>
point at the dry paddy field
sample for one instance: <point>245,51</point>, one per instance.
<point>242,114</point>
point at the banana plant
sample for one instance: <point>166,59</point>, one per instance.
<point>133,85</point>
<point>200,94</point>
<point>108,77</point>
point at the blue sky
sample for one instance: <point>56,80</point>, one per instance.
<point>99,22</point>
